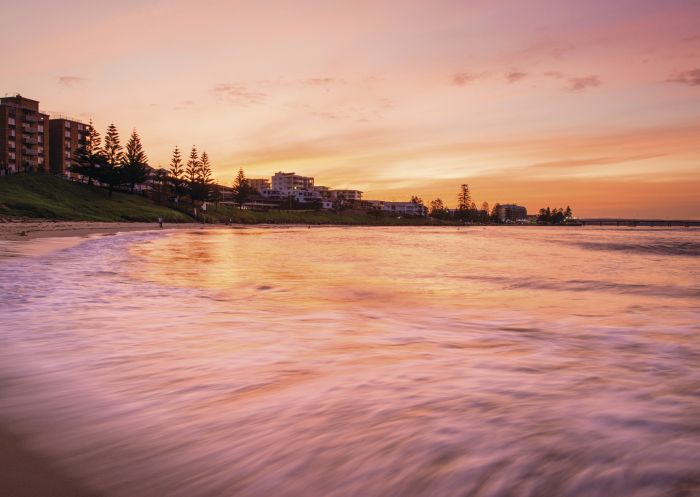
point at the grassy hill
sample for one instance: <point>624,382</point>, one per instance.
<point>48,197</point>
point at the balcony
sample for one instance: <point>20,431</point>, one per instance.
<point>28,129</point>
<point>31,118</point>
<point>28,140</point>
<point>29,152</point>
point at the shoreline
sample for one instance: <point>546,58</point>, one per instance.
<point>40,238</point>
<point>17,231</point>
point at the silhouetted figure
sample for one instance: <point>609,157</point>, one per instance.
<point>160,222</point>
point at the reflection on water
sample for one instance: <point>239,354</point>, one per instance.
<point>361,361</point>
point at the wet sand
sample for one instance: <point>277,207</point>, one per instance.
<point>29,230</point>
<point>36,238</point>
<point>25,474</point>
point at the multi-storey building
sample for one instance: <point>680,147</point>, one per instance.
<point>66,136</point>
<point>24,136</point>
<point>405,208</point>
<point>511,212</point>
<point>259,184</point>
<point>287,183</point>
<point>351,195</point>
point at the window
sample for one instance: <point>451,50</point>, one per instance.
<point>41,160</point>
<point>67,134</point>
<point>11,121</point>
<point>12,132</point>
<point>12,155</point>
<point>67,125</point>
<point>41,128</point>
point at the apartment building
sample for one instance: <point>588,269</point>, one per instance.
<point>66,136</point>
<point>24,136</point>
<point>260,184</point>
<point>397,208</point>
<point>351,195</point>
<point>287,183</point>
<point>512,212</point>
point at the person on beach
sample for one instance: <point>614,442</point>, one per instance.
<point>160,221</point>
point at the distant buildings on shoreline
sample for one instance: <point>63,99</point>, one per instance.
<point>284,187</point>
<point>512,213</point>
<point>32,141</point>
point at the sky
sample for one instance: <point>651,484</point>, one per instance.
<point>593,103</point>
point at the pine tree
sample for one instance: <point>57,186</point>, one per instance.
<point>464,198</point>
<point>437,208</point>
<point>204,169</point>
<point>192,170</point>
<point>242,191</point>
<point>176,170</point>
<point>204,177</point>
<point>87,158</point>
<point>494,212</point>
<point>111,158</point>
<point>177,173</point>
<point>112,149</point>
<point>135,162</point>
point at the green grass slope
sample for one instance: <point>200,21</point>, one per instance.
<point>48,197</point>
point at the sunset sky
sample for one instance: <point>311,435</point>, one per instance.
<point>540,102</point>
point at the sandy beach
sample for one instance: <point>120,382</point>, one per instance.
<point>25,474</point>
<point>34,238</point>
<point>28,230</point>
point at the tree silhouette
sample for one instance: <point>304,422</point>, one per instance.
<point>437,209</point>
<point>112,149</point>
<point>464,198</point>
<point>134,162</point>
<point>177,173</point>
<point>112,154</point>
<point>88,156</point>
<point>204,180</point>
<point>242,191</point>
<point>192,170</point>
<point>494,213</point>
<point>192,173</point>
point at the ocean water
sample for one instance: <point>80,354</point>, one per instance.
<point>338,362</point>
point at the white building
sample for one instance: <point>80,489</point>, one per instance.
<point>259,184</point>
<point>403,208</point>
<point>287,183</point>
<point>306,196</point>
<point>345,194</point>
